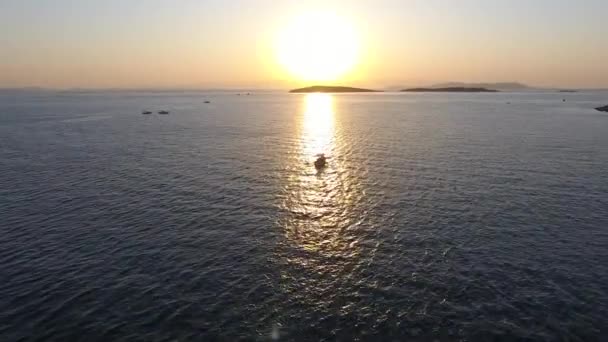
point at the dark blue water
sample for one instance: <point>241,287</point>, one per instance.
<point>446,217</point>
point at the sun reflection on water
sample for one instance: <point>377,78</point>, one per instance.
<point>321,205</point>
<point>318,124</point>
<point>324,215</point>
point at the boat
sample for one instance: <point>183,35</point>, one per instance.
<point>207,101</point>
<point>602,109</point>
<point>163,112</point>
<point>146,112</point>
<point>321,162</point>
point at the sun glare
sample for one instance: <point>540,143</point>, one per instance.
<point>318,124</point>
<point>318,47</point>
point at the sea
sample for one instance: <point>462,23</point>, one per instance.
<point>438,217</point>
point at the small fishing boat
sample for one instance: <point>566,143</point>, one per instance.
<point>321,161</point>
<point>146,112</point>
<point>207,101</point>
<point>163,112</point>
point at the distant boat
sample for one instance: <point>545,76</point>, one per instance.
<point>321,162</point>
<point>602,109</point>
<point>146,112</point>
<point>207,101</point>
<point>163,112</point>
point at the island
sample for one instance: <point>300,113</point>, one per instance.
<point>602,109</point>
<point>332,89</point>
<point>506,86</point>
<point>451,90</point>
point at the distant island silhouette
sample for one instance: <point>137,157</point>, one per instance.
<point>488,85</point>
<point>332,89</point>
<point>451,90</point>
<point>602,109</point>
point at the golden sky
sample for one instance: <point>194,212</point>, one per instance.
<point>242,44</point>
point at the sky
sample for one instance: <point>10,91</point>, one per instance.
<point>231,44</point>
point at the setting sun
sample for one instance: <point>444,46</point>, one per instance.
<point>318,47</point>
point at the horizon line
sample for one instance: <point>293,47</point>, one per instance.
<point>181,89</point>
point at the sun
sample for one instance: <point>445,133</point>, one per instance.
<point>318,46</point>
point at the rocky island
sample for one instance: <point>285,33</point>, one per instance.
<point>506,86</point>
<point>332,89</point>
<point>602,109</point>
<point>451,90</point>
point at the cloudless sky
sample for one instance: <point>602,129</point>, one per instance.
<point>220,43</point>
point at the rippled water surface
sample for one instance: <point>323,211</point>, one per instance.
<point>439,216</point>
